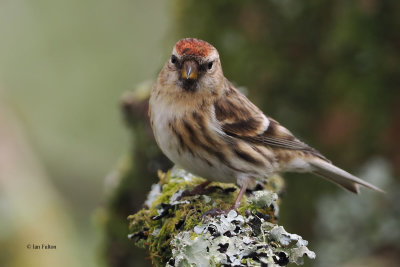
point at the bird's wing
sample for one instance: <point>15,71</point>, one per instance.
<point>240,118</point>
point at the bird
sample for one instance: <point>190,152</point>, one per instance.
<point>205,125</point>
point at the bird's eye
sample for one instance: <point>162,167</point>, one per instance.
<point>174,59</point>
<point>209,65</point>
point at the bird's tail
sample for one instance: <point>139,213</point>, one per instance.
<point>339,176</point>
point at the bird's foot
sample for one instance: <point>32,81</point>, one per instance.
<point>197,190</point>
<point>236,204</point>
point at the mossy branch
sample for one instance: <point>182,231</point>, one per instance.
<point>177,234</point>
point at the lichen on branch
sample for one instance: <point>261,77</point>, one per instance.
<point>176,233</point>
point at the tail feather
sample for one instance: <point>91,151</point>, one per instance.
<point>339,176</point>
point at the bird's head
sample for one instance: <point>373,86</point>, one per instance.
<point>193,67</point>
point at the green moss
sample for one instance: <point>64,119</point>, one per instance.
<point>174,229</point>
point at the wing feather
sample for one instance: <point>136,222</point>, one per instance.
<point>239,118</point>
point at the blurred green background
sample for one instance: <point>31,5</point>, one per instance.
<point>71,171</point>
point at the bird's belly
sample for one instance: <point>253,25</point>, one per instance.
<point>195,161</point>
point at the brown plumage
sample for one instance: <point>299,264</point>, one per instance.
<point>205,125</point>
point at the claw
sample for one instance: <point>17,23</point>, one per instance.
<point>215,212</point>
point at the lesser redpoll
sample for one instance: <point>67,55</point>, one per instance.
<point>204,124</point>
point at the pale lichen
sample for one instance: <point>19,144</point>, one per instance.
<point>237,240</point>
<point>177,234</point>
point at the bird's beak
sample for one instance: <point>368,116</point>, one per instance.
<point>190,70</point>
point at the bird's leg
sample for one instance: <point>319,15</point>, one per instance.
<point>235,205</point>
<point>240,196</point>
<point>197,190</point>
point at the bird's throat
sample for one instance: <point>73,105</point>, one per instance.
<point>189,85</point>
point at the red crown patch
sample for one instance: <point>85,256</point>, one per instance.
<point>195,47</point>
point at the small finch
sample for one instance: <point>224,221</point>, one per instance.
<point>204,124</point>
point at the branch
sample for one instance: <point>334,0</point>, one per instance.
<point>177,234</point>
